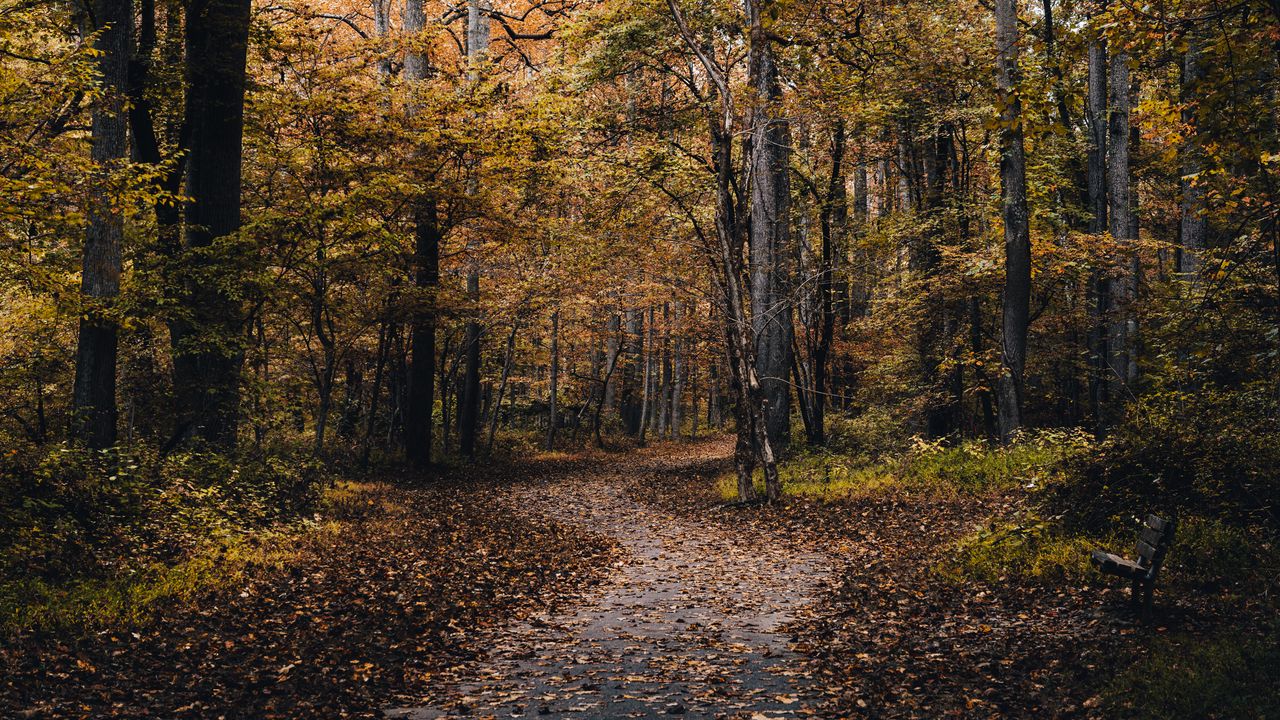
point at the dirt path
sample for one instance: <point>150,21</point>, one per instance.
<point>690,623</point>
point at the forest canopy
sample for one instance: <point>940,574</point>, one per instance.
<point>248,247</point>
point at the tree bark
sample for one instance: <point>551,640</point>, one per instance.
<point>1096,173</point>
<point>832,211</point>
<point>508,357</point>
<point>208,344</point>
<point>94,393</point>
<point>1017,235</point>
<point>1124,290</point>
<point>426,277</point>
<point>770,231</point>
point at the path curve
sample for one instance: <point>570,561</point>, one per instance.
<point>690,622</point>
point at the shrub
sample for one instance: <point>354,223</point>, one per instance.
<point>1212,452</point>
<point>68,511</point>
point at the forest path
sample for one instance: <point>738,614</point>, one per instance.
<point>690,622</point>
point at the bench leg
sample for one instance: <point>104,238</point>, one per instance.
<point>1135,601</point>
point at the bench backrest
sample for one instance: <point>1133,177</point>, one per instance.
<point>1154,542</point>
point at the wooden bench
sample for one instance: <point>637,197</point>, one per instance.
<point>1153,544</point>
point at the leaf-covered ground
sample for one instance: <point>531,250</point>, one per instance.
<point>691,622</point>
<point>380,606</point>
<point>609,586</point>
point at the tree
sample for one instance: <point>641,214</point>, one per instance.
<point>770,227</point>
<point>208,351</point>
<point>1017,233</point>
<point>1123,336</point>
<point>94,394</point>
<point>426,271</point>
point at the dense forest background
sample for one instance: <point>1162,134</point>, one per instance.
<point>250,248</point>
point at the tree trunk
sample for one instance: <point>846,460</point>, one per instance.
<point>426,277</point>
<point>94,393</point>
<point>1096,116</point>
<point>1123,335</point>
<point>646,399</point>
<point>770,231</point>
<point>678,371</point>
<point>613,348</point>
<point>833,210</point>
<point>379,367</point>
<point>1017,235</point>
<point>631,405</point>
<point>502,384</point>
<point>209,350</point>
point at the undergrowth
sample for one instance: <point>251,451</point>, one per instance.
<point>1230,675</point>
<point>101,538</point>
<point>972,467</point>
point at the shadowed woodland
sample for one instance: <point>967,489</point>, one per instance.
<point>633,358</point>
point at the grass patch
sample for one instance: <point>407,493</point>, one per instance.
<point>973,467</point>
<point>1227,676</point>
<point>1027,548</point>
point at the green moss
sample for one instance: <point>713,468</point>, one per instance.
<point>1231,675</point>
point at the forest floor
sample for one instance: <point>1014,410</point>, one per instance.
<point>592,586</point>
<point>691,621</point>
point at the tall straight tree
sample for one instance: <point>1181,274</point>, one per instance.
<point>94,394</point>
<point>469,412</point>
<point>208,346</point>
<point>770,230</point>
<point>724,253</point>
<point>1122,220</point>
<point>1017,232</point>
<point>1096,174</point>
<point>426,273</point>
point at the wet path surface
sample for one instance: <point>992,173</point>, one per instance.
<point>691,623</point>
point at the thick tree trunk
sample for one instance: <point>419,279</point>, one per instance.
<point>1017,235</point>
<point>724,254</point>
<point>771,305</point>
<point>208,345</point>
<point>426,277</point>
<point>1124,290</point>
<point>94,394</point>
<point>422,363</point>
